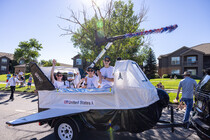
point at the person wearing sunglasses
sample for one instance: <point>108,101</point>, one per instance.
<point>106,77</point>
<point>59,83</point>
<point>91,80</point>
<point>70,82</point>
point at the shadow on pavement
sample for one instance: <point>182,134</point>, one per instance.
<point>28,96</point>
<point>153,134</point>
<point>5,102</point>
<point>2,96</point>
<point>49,137</point>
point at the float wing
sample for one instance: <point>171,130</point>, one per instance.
<point>44,115</point>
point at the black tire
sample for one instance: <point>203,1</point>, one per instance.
<point>66,129</point>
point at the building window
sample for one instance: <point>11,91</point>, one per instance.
<point>4,60</point>
<point>78,61</point>
<point>22,61</point>
<point>3,68</point>
<point>175,60</point>
<point>177,71</point>
<point>191,59</point>
<point>192,71</point>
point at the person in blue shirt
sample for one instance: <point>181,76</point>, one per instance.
<point>8,76</point>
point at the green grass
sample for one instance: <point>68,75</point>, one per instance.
<point>168,83</point>
<point>18,89</point>
<point>172,96</point>
<point>3,77</point>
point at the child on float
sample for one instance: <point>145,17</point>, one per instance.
<point>106,77</point>
<point>70,82</point>
<point>59,83</point>
<point>91,80</point>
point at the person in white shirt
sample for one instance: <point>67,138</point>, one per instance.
<point>70,82</point>
<point>91,80</point>
<point>59,83</point>
<point>20,73</point>
<point>12,82</point>
<point>106,77</point>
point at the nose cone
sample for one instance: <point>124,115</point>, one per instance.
<point>164,98</point>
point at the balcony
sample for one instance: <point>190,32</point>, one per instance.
<point>206,65</point>
<point>194,63</point>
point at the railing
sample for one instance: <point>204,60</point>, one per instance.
<point>206,65</point>
<point>186,63</point>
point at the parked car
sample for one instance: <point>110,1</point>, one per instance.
<point>201,116</point>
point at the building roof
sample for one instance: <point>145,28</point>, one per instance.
<point>205,48</point>
<point>20,66</point>
<point>190,49</point>
<point>8,55</point>
<point>76,56</point>
<point>166,55</point>
<point>66,65</point>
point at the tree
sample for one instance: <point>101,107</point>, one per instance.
<point>28,50</point>
<point>150,65</point>
<point>117,19</point>
<point>48,63</point>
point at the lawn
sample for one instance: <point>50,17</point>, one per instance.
<point>168,83</point>
<point>18,89</point>
<point>3,77</point>
<point>172,96</point>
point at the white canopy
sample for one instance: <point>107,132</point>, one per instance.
<point>131,90</point>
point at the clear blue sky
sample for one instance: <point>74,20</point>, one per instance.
<point>25,19</point>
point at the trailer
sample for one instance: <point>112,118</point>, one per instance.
<point>133,104</point>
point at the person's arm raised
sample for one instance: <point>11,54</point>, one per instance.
<point>52,71</point>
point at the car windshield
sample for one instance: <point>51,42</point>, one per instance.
<point>205,84</point>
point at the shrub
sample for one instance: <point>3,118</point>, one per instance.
<point>157,76</point>
<point>165,76</point>
<point>178,76</point>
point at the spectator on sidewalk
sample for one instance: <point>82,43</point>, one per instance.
<point>160,85</point>
<point>24,81</point>
<point>20,73</point>
<point>187,84</point>
<point>12,82</point>
<point>8,76</point>
<point>29,81</point>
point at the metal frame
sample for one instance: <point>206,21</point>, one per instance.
<point>169,124</point>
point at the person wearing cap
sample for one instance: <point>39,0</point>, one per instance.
<point>70,82</point>
<point>187,84</point>
<point>106,77</point>
<point>59,83</point>
<point>91,80</point>
<point>12,82</point>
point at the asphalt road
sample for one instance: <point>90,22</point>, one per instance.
<point>25,104</point>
